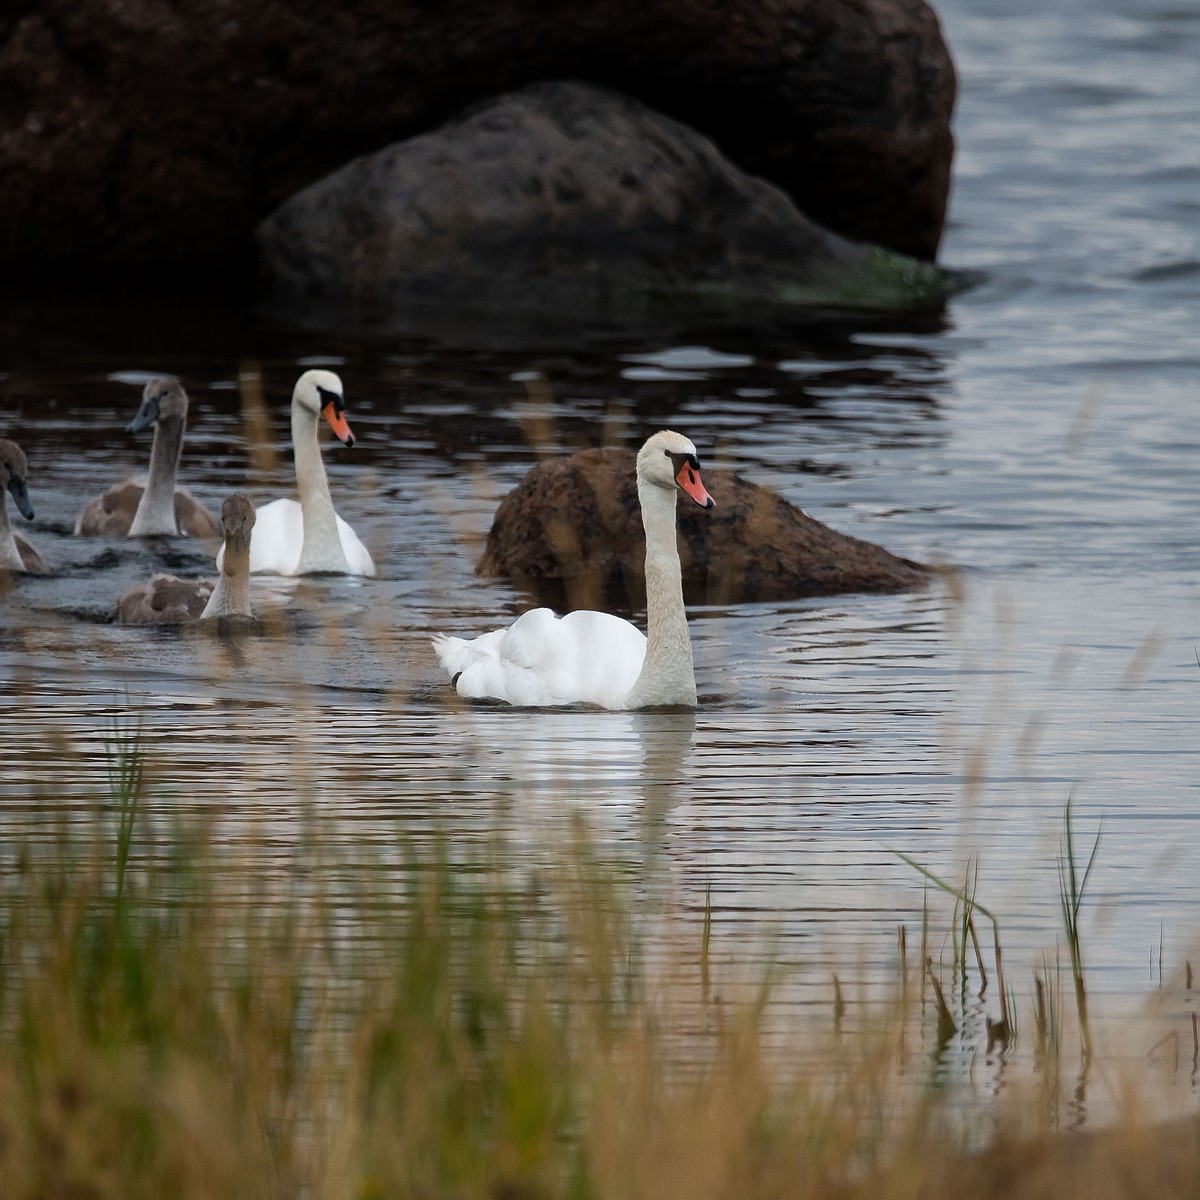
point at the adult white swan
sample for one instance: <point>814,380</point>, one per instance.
<point>543,660</point>
<point>305,537</point>
<point>158,506</point>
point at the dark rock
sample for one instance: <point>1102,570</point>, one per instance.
<point>571,531</point>
<point>567,195</point>
<point>143,131</point>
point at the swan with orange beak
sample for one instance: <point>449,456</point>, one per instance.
<point>542,660</point>
<point>306,536</point>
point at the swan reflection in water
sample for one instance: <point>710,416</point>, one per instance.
<point>607,763</point>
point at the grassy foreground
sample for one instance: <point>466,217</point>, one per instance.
<point>180,1021</point>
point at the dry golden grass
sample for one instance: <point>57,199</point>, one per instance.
<point>174,1025</point>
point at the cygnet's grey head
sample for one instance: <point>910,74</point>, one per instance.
<point>237,518</point>
<point>163,400</point>
<point>13,472</point>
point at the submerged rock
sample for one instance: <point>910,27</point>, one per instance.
<point>141,133</point>
<point>568,195</point>
<point>571,532</point>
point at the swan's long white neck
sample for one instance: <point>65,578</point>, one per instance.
<point>10,556</point>
<point>667,676</point>
<point>231,596</point>
<point>322,549</point>
<point>156,509</point>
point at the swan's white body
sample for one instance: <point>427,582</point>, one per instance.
<point>277,543</point>
<point>306,536</point>
<point>543,660</point>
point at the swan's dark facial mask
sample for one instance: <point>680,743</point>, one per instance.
<point>687,475</point>
<point>20,494</point>
<point>333,409</point>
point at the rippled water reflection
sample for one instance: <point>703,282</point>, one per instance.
<point>1041,437</point>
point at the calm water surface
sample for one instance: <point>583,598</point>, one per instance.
<point>1042,437</point>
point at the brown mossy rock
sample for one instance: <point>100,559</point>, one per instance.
<point>571,531</point>
<point>142,132</point>
<point>566,196</point>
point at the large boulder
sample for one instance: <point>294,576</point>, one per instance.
<point>571,532</point>
<point>566,195</point>
<point>152,131</point>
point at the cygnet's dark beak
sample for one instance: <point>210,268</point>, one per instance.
<point>147,415</point>
<point>20,494</point>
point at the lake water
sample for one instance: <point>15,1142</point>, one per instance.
<point>1041,436</point>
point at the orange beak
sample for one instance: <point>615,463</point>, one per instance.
<point>689,480</point>
<point>338,423</point>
